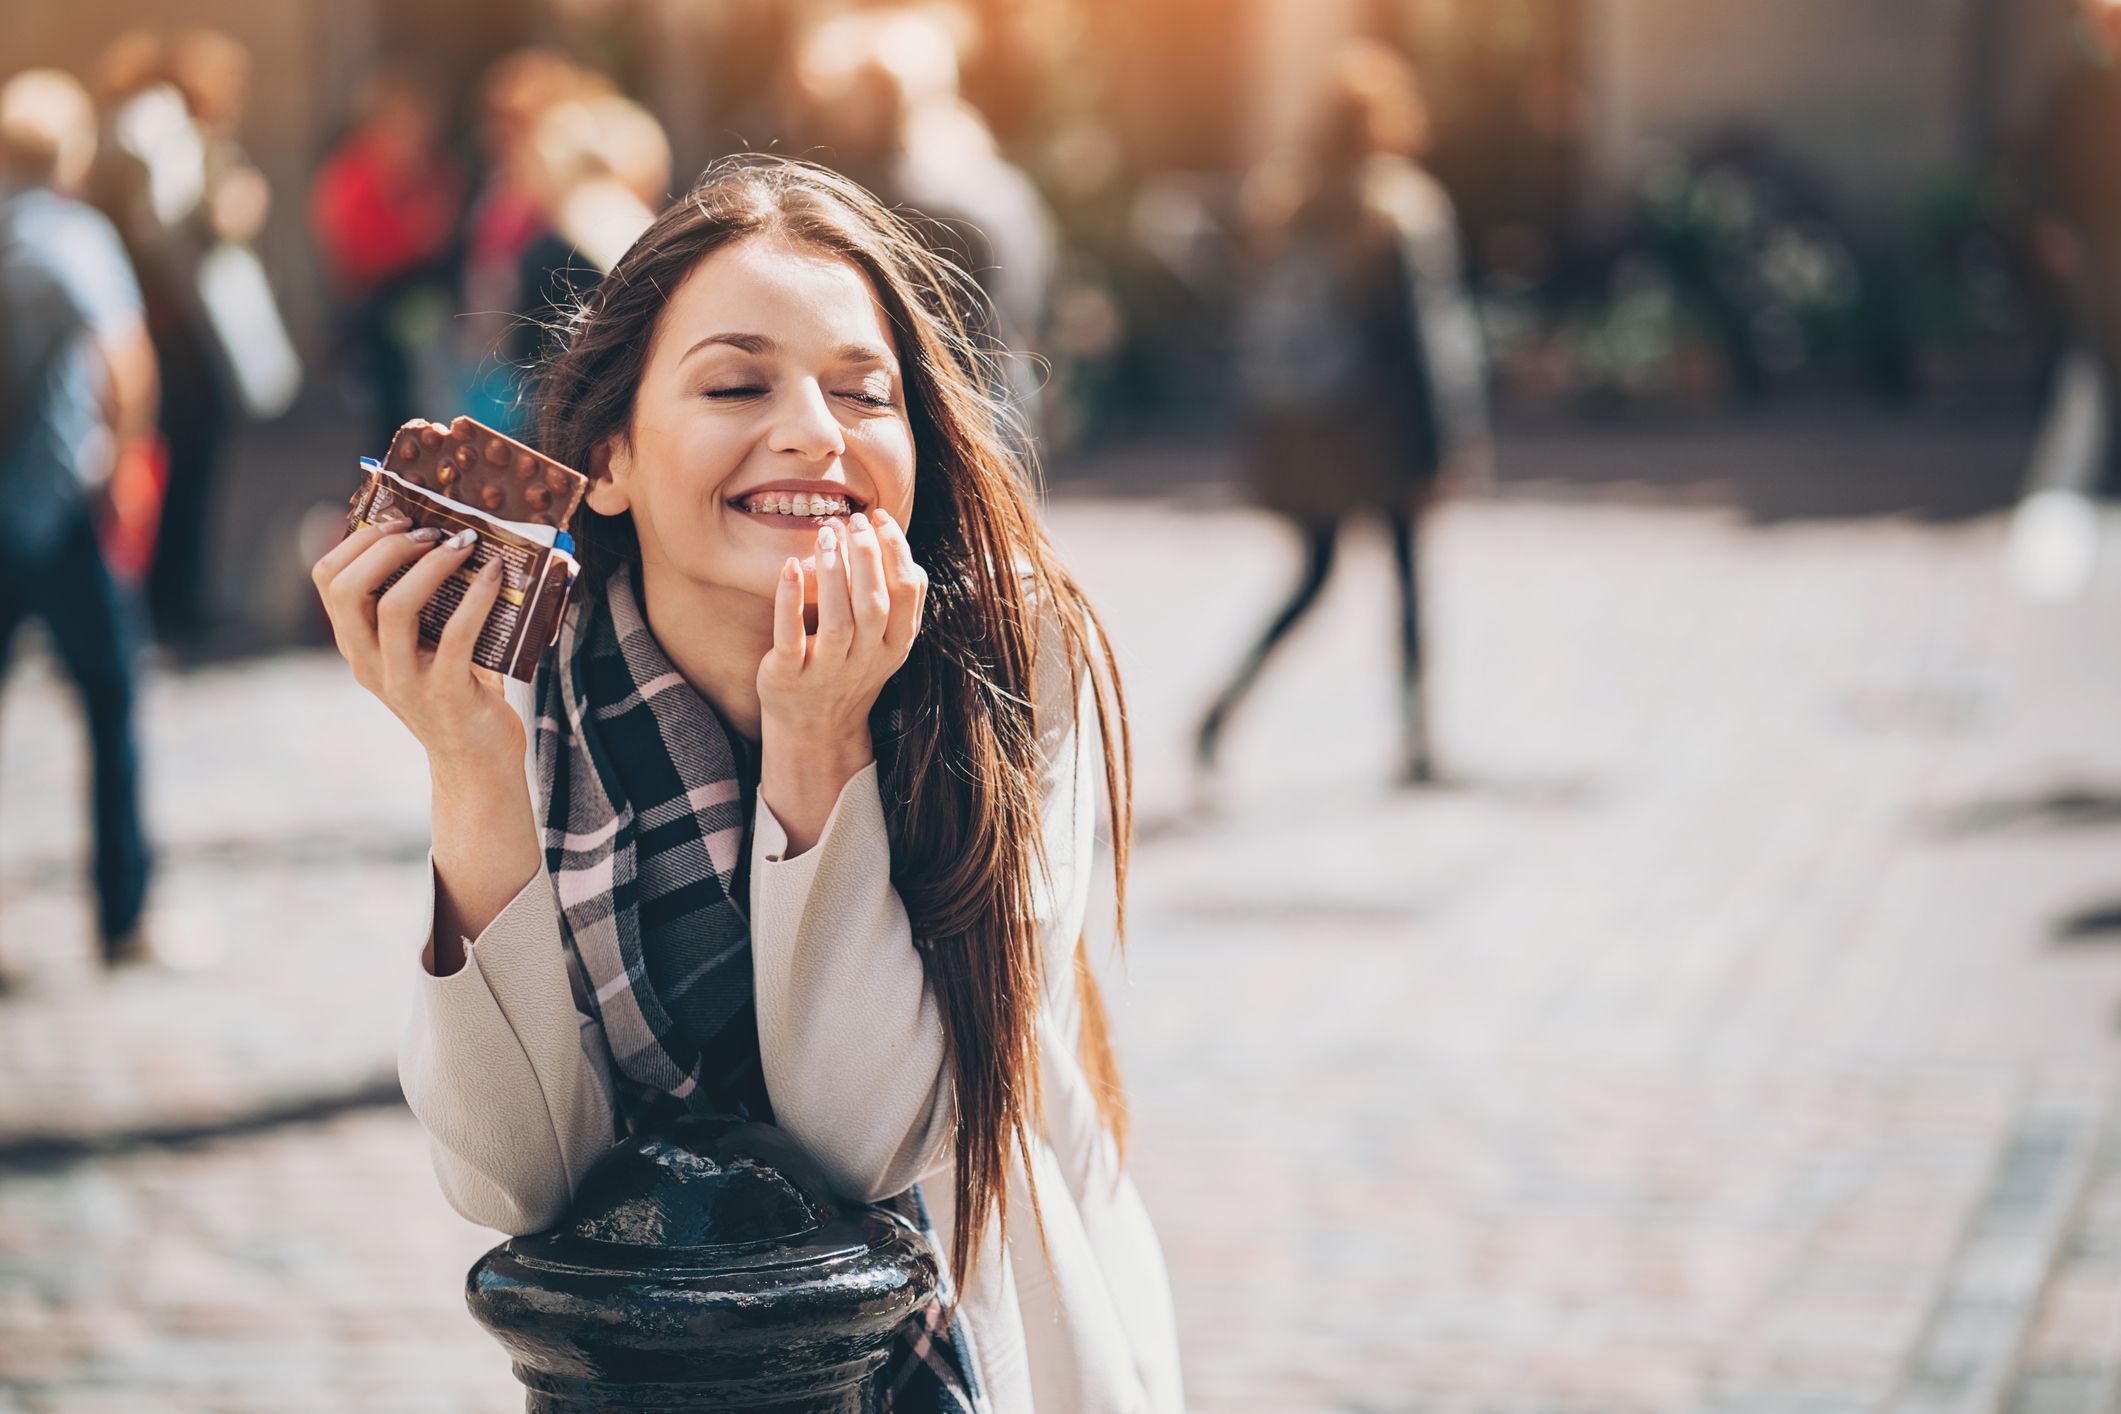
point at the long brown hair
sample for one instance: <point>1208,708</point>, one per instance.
<point>960,770</point>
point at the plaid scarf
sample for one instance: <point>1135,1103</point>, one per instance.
<point>645,835</point>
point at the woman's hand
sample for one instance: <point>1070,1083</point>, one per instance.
<point>455,710</point>
<point>815,690</point>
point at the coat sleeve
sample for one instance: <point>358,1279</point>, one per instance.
<point>505,1074</point>
<point>511,1081</point>
<point>850,1035</point>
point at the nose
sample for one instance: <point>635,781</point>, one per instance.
<point>804,425</point>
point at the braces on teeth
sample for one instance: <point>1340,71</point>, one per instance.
<point>798,503</point>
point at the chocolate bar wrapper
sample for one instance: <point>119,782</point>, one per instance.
<point>536,575</point>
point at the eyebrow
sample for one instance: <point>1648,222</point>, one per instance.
<point>760,344</point>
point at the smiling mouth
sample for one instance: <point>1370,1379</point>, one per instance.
<point>795,508</point>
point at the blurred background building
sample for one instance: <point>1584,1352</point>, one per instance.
<point>1863,160</point>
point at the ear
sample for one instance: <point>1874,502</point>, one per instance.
<point>610,465</point>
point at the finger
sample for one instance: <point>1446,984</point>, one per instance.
<point>339,556</point>
<point>350,598</point>
<point>867,591</point>
<point>398,611</point>
<point>460,632</point>
<point>908,582</point>
<point>788,633</point>
<point>835,614</point>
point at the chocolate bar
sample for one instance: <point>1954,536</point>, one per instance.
<point>537,570</point>
<point>468,461</point>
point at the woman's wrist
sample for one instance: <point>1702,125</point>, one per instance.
<point>472,772</point>
<point>485,847</point>
<point>802,772</point>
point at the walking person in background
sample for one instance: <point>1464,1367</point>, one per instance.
<point>385,211</point>
<point>506,219</point>
<point>120,183</point>
<point>598,170</point>
<point>1359,357</point>
<point>878,91</point>
<point>176,184</point>
<point>201,403</point>
<point>2073,196</point>
<point>77,385</point>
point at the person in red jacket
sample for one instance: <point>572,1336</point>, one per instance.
<point>385,211</point>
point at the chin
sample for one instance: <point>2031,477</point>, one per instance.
<point>713,579</point>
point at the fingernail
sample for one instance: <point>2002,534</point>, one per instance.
<point>461,539</point>
<point>827,538</point>
<point>881,516</point>
<point>861,522</point>
<point>426,535</point>
<point>491,569</point>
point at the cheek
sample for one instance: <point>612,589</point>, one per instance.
<point>887,454</point>
<point>696,458</point>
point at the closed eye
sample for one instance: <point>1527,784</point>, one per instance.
<point>735,392</point>
<point>868,400</point>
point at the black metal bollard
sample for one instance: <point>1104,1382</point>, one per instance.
<point>704,1267</point>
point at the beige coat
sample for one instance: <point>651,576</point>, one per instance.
<point>514,1088</point>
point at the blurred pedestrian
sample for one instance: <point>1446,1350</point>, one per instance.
<point>1360,357</point>
<point>120,180</point>
<point>238,329</point>
<point>77,385</point>
<point>505,219</point>
<point>178,186</point>
<point>385,212</point>
<point>877,91</point>
<point>598,171</point>
<point>2075,218</point>
<point>2076,192</point>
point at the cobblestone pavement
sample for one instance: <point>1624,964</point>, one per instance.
<point>1734,1030</point>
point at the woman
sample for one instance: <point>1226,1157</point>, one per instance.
<point>1360,356</point>
<point>807,818</point>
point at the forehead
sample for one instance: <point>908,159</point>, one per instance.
<point>799,297</point>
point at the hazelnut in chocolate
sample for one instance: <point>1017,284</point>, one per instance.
<point>469,462</point>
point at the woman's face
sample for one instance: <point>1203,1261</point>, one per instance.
<point>771,402</point>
